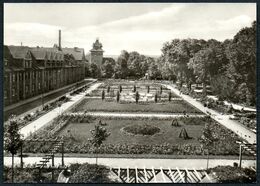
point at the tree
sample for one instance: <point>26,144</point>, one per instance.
<point>241,52</point>
<point>95,70</point>
<point>170,96</point>
<point>208,62</point>
<point>120,88</point>
<point>134,65</point>
<point>108,88</point>
<point>99,135</point>
<point>148,89</point>
<point>154,72</point>
<point>103,95</point>
<point>137,96</point>
<point>117,96</point>
<point>134,88</point>
<point>12,139</point>
<point>155,97</point>
<point>108,69</point>
<point>121,69</point>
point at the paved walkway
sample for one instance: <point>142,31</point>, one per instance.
<point>134,114</point>
<point>235,126</point>
<point>135,162</point>
<point>43,120</point>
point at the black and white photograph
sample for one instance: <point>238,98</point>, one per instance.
<point>129,92</point>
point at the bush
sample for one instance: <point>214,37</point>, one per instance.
<point>229,174</point>
<point>90,173</point>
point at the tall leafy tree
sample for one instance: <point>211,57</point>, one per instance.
<point>241,53</point>
<point>122,66</point>
<point>108,69</point>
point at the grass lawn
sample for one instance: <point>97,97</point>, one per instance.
<point>108,106</point>
<point>168,134</point>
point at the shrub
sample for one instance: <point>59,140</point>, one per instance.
<point>155,97</point>
<point>170,96</point>
<point>103,95</point>
<point>117,96</point>
<point>134,89</point>
<point>137,96</point>
<point>90,173</point>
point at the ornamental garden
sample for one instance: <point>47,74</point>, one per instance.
<point>188,133</point>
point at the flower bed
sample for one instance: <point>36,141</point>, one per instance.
<point>138,129</point>
<point>165,142</point>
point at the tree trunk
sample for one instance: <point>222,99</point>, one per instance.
<point>21,156</point>
<point>12,168</point>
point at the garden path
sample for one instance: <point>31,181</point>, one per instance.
<point>136,162</point>
<point>235,126</point>
<point>134,114</point>
<point>48,117</point>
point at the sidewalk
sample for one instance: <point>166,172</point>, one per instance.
<point>235,126</point>
<point>133,162</point>
<point>43,120</point>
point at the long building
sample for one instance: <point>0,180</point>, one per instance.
<point>30,71</point>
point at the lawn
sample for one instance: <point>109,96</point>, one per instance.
<point>168,134</point>
<point>166,141</point>
<point>113,106</point>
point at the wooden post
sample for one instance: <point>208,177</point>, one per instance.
<point>240,156</point>
<point>62,154</point>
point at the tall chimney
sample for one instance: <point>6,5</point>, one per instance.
<point>59,39</point>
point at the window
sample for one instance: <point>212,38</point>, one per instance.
<point>13,92</point>
<point>13,77</point>
<point>5,94</point>
<point>39,85</point>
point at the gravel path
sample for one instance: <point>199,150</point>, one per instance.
<point>235,126</point>
<point>139,115</point>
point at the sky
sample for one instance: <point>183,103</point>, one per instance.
<point>141,27</point>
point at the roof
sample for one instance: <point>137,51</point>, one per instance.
<point>47,53</point>
<point>18,52</point>
<point>78,53</point>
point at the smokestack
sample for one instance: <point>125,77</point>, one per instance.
<point>59,39</point>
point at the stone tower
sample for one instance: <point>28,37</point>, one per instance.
<point>96,53</point>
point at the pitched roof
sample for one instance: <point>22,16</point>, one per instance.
<point>47,53</point>
<point>18,52</point>
<point>78,53</point>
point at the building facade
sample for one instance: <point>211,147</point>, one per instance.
<point>29,72</point>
